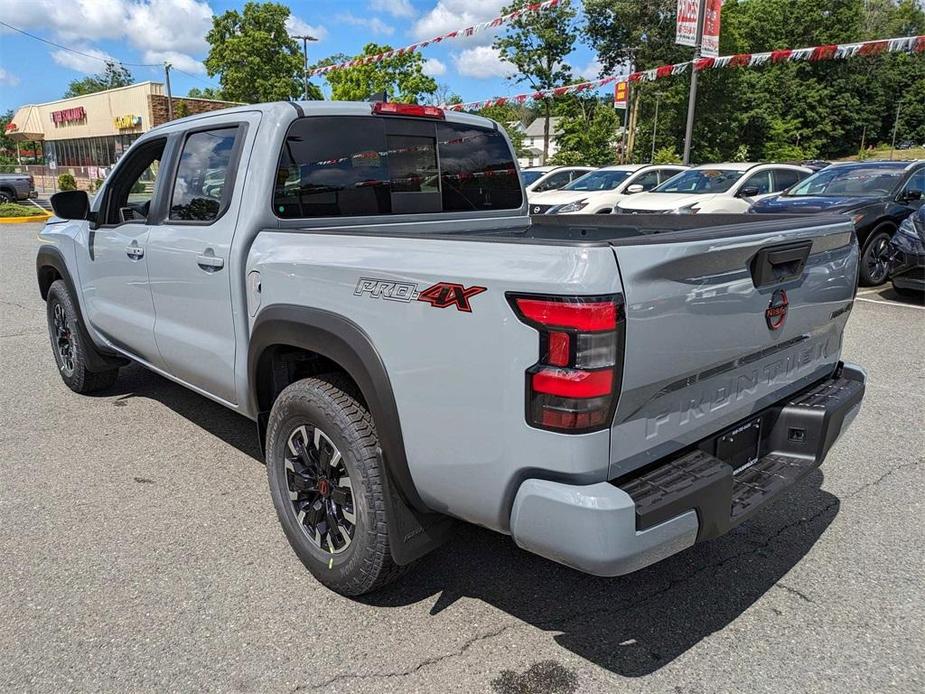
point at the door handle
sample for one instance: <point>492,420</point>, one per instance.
<point>135,252</point>
<point>210,263</point>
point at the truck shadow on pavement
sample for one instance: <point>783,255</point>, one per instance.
<point>630,625</point>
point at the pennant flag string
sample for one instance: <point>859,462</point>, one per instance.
<point>458,33</point>
<point>905,44</point>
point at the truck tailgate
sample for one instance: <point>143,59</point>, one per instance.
<point>720,325</point>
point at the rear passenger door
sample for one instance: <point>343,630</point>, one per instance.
<point>785,178</point>
<point>189,258</point>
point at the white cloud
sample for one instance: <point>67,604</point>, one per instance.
<point>374,24</point>
<point>83,63</point>
<point>76,19</point>
<point>8,79</point>
<point>396,8</point>
<point>591,71</point>
<point>448,15</point>
<point>433,67</point>
<point>297,27</point>
<point>170,25</point>
<point>482,62</point>
<point>181,61</point>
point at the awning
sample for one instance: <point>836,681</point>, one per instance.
<point>26,125</point>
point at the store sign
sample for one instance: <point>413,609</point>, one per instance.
<point>709,42</point>
<point>688,16</point>
<point>126,122</point>
<point>620,94</point>
<point>69,115</point>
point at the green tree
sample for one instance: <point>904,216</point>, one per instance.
<point>537,44</point>
<point>206,93</point>
<point>113,75</point>
<point>253,55</point>
<point>588,128</point>
<point>400,77</point>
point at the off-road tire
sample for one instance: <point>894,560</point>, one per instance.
<point>74,371</point>
<point>366,564</point>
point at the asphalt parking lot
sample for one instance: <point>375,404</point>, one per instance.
<point>140,552</point>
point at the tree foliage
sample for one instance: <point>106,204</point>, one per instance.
<point>400,77</point>
<point>786,111</point>
<point>206,93</point>
<point>588,128</point>
<point>537,44</point>
<point>254,56</point>
<point>113,75</point>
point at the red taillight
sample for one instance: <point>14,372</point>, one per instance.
<point>384,108</point>
<point>574,386</point>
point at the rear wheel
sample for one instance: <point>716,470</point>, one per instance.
<point>5,197</point>
<point>875,265</point>
<point>68,346</point>
<point>326,481</point>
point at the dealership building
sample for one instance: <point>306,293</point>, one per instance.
<point>86,135</point>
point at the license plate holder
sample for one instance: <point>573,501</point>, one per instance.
<point>739,447</point>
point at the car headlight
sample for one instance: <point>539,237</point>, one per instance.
<point>570,206</point>
<point>687,209</point>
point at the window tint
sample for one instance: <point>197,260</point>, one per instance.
<point>916,181</point>
<point>350,166</point>
<point>851,180</point>
<point>554,182</point>
<point>761,181</point>
<point>665,174</point>
<point>784,178</point>
<point>700,181</point>
<point>199,188</point>
<point>648,180</point>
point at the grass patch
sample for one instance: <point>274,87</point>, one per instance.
<point>12,209</point>
<point>898,155</point>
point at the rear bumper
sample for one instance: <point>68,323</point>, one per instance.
<point>609,529</point>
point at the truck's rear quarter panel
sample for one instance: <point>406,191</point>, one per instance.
<point>458,378</point>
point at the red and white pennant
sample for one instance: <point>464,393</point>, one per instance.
<point>905,44</point>
<point>458,33</point>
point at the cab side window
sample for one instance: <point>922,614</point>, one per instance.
<point>199,190</point>
<point>916,182</point>
<point>132,186</point>
<point>760,180</point>
<point>647,180</point>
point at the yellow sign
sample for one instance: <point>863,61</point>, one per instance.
<point>126,122</point>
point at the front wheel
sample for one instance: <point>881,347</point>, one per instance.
<point>875,261</point>
<point>326,481</point>
<point>68,345</point>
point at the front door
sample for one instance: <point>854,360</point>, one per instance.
<point>189,263</point>
<point>114,273</point>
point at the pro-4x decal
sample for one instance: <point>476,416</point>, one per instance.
<point>440,295</point>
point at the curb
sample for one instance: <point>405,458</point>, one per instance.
<point>21,220</point>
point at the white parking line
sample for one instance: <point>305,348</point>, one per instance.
<point>892,303</point>
<point>36,204</point>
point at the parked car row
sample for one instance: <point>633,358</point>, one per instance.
<point>878,195</point>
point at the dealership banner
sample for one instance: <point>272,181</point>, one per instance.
<point>621,94</point>
<point>904,44</point>
<point>709,42</point>
<point>686,27</point>
<point>458,33</point>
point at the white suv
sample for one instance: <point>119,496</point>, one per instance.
<point>599,191</point>
<point>550,177</point>
<point>730,187</point>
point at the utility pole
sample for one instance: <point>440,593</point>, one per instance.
<point>895,126</point>
<point>305,39</point>
<point>692,98</point>
<point>169,94</point>
<point>654,129</point>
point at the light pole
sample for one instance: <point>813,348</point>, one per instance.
<point>692,97</point>
<point>654,129</point>
<point>305,39</point>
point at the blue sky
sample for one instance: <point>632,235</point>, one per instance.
<point>151,31</point>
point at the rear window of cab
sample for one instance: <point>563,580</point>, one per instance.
<point>343,166</point>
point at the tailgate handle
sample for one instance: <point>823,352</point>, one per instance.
<point>779,264</point>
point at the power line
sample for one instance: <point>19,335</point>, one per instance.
<point>72,50</point>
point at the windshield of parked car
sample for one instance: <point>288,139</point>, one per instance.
<point>700,181</point>
<point>598,180</point>
<point>851,181</point>
<point>528,177</point>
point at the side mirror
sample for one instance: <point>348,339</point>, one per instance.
<point>71,204</point>
<point>910,195</point>
<point>749,192</point>
<point>635,188</point>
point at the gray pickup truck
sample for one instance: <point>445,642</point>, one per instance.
<point>14,186</point>
<point>364,282</point>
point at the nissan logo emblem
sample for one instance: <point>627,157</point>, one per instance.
<point>776,312</point>
<point>536,210</point>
